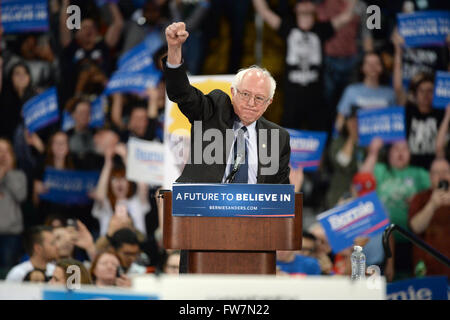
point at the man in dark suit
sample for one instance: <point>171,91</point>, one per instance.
<point>252,91</point>
<point>266,145</point>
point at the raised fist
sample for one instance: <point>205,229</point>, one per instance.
<point>176,34</point>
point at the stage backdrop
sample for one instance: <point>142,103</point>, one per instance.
<point>177,127</point>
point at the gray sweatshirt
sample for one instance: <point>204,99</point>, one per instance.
<point>13,190</point>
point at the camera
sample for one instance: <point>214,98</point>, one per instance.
<point>443,184</point>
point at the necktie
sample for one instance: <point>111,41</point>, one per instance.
<point>240,148</point>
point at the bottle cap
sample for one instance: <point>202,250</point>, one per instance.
<point>357,248</point>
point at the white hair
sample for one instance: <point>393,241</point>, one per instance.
<point>240,75</point>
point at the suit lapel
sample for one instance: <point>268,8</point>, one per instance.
<point>228,119</point>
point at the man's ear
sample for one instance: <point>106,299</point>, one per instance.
<point>233,93</point>
<point>268,104</point>
<point>37,248</point>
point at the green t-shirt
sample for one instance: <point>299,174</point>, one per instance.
<point>395,188</point>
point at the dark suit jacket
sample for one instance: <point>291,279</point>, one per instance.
<point>215,110</point>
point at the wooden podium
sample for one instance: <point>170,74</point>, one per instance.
<point>232,245</point>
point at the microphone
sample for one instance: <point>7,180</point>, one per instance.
<point>236,166</point>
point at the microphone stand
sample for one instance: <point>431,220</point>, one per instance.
<point>235,169</point>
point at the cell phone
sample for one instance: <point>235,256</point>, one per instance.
<point>443,184</point>
<point>72,223</point>
<point>119,272</point>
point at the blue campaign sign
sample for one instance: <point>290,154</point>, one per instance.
<point>427,288</point>
<point>233,200</point>
<point>140,57</point>
<point>69,186</point>
<point>19,16</point>
<point>441,90</point>
<point>97,115</point>
<point>41,110</point>
<point>386,123</point>
<point>306,148</point>
<point>67,121</point>
<point>364,216</point>
<point>424,28</point>
<point>134,82</point>
<point>98,294</point>
<point>98,112</point>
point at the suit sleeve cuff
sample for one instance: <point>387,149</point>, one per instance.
<point>173,66</point>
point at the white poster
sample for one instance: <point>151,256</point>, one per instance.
<point>145,162</point>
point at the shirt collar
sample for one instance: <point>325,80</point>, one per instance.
<point>250,128</point>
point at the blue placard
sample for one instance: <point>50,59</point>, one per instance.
<point>441,90</point>
<point>94,295</point>
<point>306,148</point>
<point>69,186</point>
<point>427,288</point>
<point>97,115</point>
<point>233,200</point>
<point>136,70</point>
<point>19,16</point>
<point>133,82</point>
<point>140,57</point>
<point>424,28</point>
<point>364,216</point>
<point>386,123</point>
<point>41,110</point>
<point>67,121</point>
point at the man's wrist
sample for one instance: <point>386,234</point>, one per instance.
<point>173,66</point>
<point>174,56</point>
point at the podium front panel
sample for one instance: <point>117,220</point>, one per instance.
<point>232,262</point>
<point>232,233</point>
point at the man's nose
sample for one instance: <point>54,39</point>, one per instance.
<point>251,101</point>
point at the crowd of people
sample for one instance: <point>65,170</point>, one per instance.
<point>334,66</point>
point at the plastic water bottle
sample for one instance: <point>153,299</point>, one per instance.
<point>358,260</point>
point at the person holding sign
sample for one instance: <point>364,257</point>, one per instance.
<point>57,157</point>
<point>421,119</point>
<point>370,92</point>
<point>14,92</point>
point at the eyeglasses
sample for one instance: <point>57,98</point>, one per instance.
<point>246,96</point>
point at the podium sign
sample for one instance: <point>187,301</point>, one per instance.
<point>233,200</point>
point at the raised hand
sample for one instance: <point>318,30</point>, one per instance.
<point>84,239</point>
<point>375,145</point>
<point>176,34</point>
